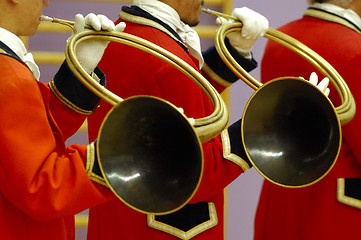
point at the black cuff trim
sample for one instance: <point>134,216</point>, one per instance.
<point>215,62</point>
<point>69,90</point>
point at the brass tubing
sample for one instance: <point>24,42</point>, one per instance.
<point>345,111</point>
<point>277,141</point>
<point>206,128</point>
<point>138,194</point>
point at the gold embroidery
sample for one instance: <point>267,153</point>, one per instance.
<point>215,76</point>
<point>64,100</point>
<point>213,221</point>
<point>98,179</point>
<point>341,197</point>
<point>90,159</point>
<point>145,21</point>
<point>226,143</point>
<point>329,17</point>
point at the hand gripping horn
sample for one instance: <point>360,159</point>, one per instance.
<point>138,142</point>
<point>290,129</point>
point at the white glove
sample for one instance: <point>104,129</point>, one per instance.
<point>90,52</point>
<point>254,25</point>
<point>322,86</point>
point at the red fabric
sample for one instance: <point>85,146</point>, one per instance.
<point>313,212</point>
<point>43,183</point>
<point>132,72</point>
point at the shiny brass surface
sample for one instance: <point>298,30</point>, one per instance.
<point>147,185</point>
<point>290,129</point>
<point>206,128</point>
<point>291,132</point>
<point>157,165</point>
<point>345,111</point>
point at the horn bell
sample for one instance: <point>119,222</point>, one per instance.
<point>291,132</point>
<point>158,163</point>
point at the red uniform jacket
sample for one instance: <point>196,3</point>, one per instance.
<point>132,72</point>
<point>330,208</point>
<point>43,182</point>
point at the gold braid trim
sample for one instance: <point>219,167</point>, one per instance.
<point>145,21</point>
<point>330,17</point>
<point>3,52</point>
<point>90,159</point>
<point>215,76</point>
<point>230,156</point>
<point>64,100</point>
<point>213,221</point>
<point>342,198</point>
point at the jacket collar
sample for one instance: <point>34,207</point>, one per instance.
<point>139,16</point>
<point>5,50</point>
<point>328,15</point>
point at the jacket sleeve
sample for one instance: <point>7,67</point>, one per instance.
<point>160,79</point>
<point>224,159</point>
<point>72,92</point>
<point>38,173</point>
<point>351,130</point>
<point>218,72</point>
<point>68,92</point>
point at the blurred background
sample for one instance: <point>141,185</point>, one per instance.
<point>242,195</point>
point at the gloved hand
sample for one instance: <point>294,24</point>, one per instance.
<point>89,53</point>
<point>322,86</point>
<point>254,25</point>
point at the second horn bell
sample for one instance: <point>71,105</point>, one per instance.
<point>290,129</point>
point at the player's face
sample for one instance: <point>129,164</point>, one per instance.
<point>189,11</point>
<point>29,12</point>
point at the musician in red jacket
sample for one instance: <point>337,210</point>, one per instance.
<point>132,72</point>
<point>43,182</point>
<point>330,208</point>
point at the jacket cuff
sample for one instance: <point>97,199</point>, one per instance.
<point>92,165</point>
<point>72,92</point>
<point>215,62</point>
<point>233,149</point>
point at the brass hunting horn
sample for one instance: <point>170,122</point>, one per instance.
<point>290,130</point>
<point>138,142</point>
